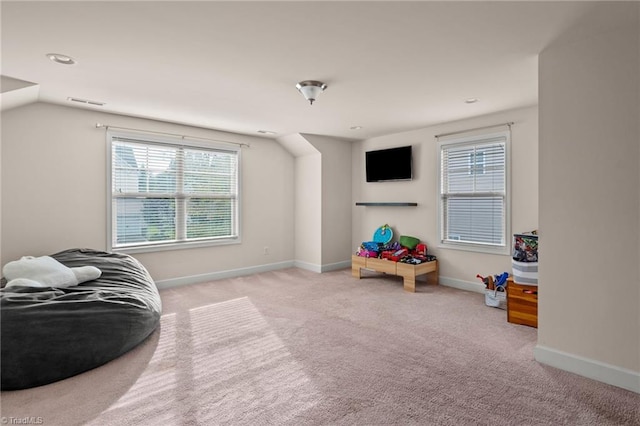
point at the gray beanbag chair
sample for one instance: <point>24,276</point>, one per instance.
<point>49,333</point>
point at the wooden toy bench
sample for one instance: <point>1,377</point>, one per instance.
<point>407,271</point>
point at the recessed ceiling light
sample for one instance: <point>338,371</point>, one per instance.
<point>355,127</point>
<point>471,100</point>
<point>266,132</point>
<point>61,59</point>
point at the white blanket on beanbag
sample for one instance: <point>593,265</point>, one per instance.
<point>45,271</point>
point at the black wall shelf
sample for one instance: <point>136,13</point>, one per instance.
<point>387,204</point>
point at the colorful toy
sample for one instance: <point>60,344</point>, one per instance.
<point>383,234</point>
<point>501,280</point>
<point>409,242</point>
<point>495,281</point>
<point>421,249</point>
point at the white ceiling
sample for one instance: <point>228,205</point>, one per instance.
<point>389,66</point>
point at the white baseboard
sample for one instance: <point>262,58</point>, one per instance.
<point>212,276</point>
<point>336,266</point>
<point>313,267</point>
<point>461,285</point>
<point>596,370</point>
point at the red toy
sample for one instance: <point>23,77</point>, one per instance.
<point>397,255</point>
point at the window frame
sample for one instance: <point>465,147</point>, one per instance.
<point>476,140</point>
<point>184,143</point>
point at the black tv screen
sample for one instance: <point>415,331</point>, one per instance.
<point>388,164</point>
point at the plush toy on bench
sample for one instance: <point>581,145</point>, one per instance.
<point>45,271</point>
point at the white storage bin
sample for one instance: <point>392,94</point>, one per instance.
<point>525,272</point>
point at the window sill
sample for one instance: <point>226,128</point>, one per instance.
<point>177,246</point>
<point>476,248</point>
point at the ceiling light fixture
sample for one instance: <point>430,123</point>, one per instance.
<point>355,127</point>
<point>266,132</point>
<point>471,100</point>
<point>310,89</point>
<point>61,59</point>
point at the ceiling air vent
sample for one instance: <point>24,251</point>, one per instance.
<point>85,101</point>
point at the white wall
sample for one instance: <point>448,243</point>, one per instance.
<point>54,191</point>
<point>589,306</point>
<point>457,268</point>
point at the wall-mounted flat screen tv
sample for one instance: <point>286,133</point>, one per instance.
<point>388,164</point>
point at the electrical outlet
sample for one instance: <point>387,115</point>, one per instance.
<point>266,251</point>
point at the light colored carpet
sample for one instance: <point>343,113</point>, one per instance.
<point>292,347</point>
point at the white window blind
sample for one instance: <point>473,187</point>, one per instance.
<point>165,194</point>
<point>473,192</point>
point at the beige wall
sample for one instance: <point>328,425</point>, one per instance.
<point>308,211</point>
<point>589,198</point>
<point>336,199</point>
<point>54,191</point>
<point>457,268</point>
<point>1,180</point>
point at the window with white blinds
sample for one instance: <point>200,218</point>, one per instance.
<point>474,204</point>
<point>168,194</point>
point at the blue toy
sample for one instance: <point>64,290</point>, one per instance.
<point>501,280</point>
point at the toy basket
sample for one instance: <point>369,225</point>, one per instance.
<point>495,298</point>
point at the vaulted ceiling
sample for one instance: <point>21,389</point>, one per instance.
<point>389,66</point>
